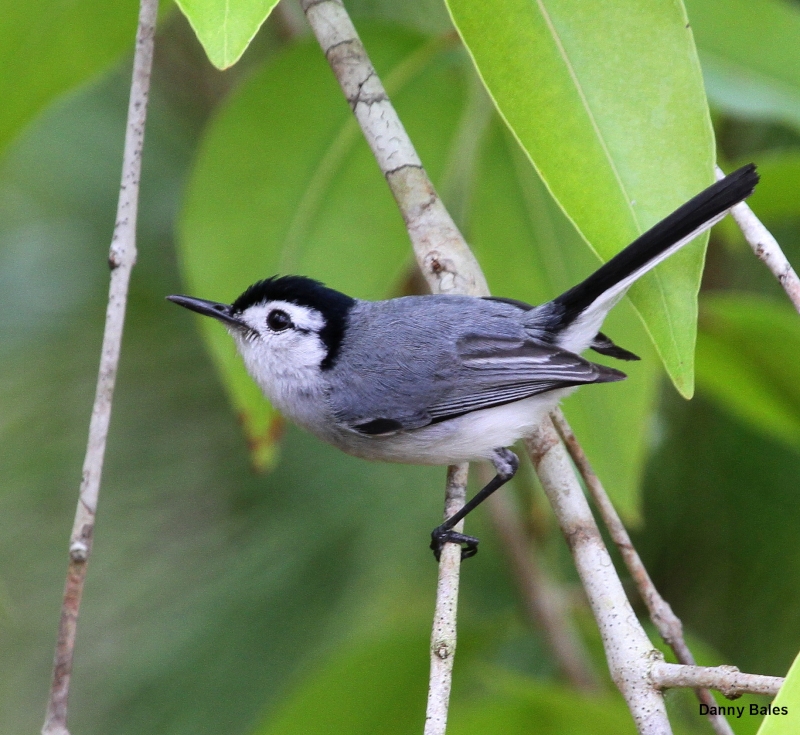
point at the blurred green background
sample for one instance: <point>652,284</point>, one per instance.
<point>297,598</point>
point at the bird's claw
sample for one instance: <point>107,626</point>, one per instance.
<point>441,536</point>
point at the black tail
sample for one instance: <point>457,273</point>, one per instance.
<point>689,219</point>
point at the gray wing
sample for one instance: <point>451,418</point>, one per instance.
<point>388,387</point>
<point>497,371</point>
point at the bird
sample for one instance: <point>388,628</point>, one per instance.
<point>443,379</point>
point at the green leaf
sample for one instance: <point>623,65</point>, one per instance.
<point>529,250</point>
<point>225,28</point>
<point>788,697</point>
<point>747,352</point>
<point>286,184</point>
<point>609,106</point>
<point>750,54</point>
<point>48,47</point>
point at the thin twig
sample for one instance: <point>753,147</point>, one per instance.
<point>628,649</point>
<point>121,259</point>
<point>666,621</point>
<point>726,679</point>
<point>766,248</point>
<point>443,633</point>
<point>544,605</point>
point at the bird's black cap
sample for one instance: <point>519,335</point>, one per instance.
<point>296,290</point>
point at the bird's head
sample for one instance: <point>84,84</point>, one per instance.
<point>285,328</point>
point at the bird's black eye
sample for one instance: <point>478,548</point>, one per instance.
<point>278,320</point>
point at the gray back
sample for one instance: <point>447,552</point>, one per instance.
<point>423,358</point>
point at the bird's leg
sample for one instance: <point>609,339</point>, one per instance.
<point>506,464</point>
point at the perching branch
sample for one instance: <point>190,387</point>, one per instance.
<point>666,621</point>
<point>121,259</point>
<point>766,248</point>
<point>443,633</point>
<point>628,650</point>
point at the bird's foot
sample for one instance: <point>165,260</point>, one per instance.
<point>442,535</point>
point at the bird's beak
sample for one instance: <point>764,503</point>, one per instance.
<point>221,312</point>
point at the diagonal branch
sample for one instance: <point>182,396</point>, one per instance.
<point>444,257</point>
<point>728,679</point>
<point>121,259</point>
<point>449,266</point>
<point>443,632</point>
<point>627,647</point>
<point>666,621</point>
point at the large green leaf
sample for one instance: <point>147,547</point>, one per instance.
<point>750,52</point>
<point>226,28</point>
<point>530,250</point>
<point>747,359</point>
<point>608,102</point>
<point>786,718</point>
<point>47,47</point>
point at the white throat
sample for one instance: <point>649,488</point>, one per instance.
<point>286,364</point>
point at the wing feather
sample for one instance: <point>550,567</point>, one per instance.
<point>491,371</point>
